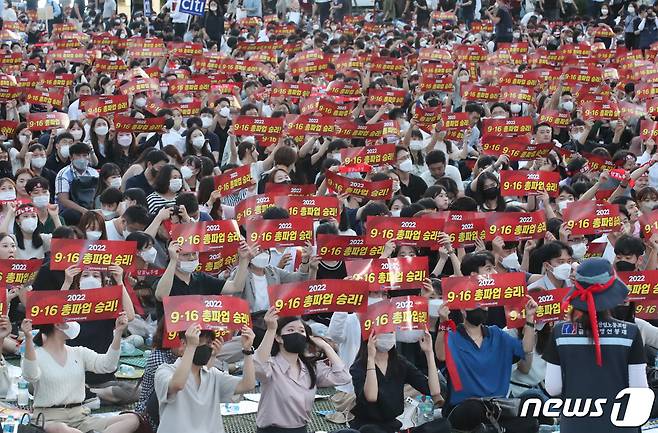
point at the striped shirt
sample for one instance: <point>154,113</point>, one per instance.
<point>156,202</point>
<point>66,175</point>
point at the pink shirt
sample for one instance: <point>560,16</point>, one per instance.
<point>287,401</point>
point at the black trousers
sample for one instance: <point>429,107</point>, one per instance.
<point>470,414</point>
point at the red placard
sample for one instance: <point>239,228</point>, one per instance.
<point>398,314</point>
<point>371,155</point>
<point>252,207</point>
<point>44,307</point>
<point>516,226</point>
<point>8,127</point>
<point>46,121</point>
<point>184,50</point>
<point>386,65</point>
<point>649,223</point>
<point>549,307</point>
<point>288,189</point>
<point>215,262</point>
<point>73,55</point>
<point>591,217</point>
<point>506,127</point>
<point>485,290</point>
<point>386,96</point>
<point>465,233</point>
<point>555,118</point>
<point>480,93</point>
<point>380,190</point>
<point>349,91</point>
<point>280,233</point>
<point>338,247</point>
<point>308,67</point>
<point>14,272</point>
<point>330,107</point>
<point>54,98</point>
<point>319,296</point>
<point>233,180</point>
<point>140,85</point>
<point>648,129</point>
<point>310,206</point>
<point>586,75</point>
<point>351,129</point>
<point>132,124</point>
<point>643,290</point>
<point>210,312</point>
<point>309,125</point>
<point>595,249</point>
<point>389,274</point>
<point>97,255</point>
<point>596,110</point>
<point>292,90</point>
<point>516,148</point>
<point>101,105</point>
<point>110,66</point>
<point>251,125</point>
<point>204,236</point>
<point>419,232</point>
<point>525,182</point>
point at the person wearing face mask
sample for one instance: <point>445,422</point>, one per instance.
<point>35,160</point>
<point>181,278</point>
<point>57,372</point>
<point>167,185</point>
<point>629,252</point>
<point>124,150</point>
<point>59,159</point>
<point>146,171</point>
<point>75,185</point>
<point>486,192</point>
<point>25,226</point>
<point>92,224</point>
<point>379,375</point>
<point>108,177</point>
<point>411,185</point>
<point>566,196</point>
<point>149,256</point>
<point>82,89</point>
<point>556,259</point>
<point>288,377</point>
<point>100,140</point>
<point>213,24</point>
<point>196,144</point>
<point>213,145</point>
<point>630,39</point>
<point>47,213</point>
<point>193,385</point>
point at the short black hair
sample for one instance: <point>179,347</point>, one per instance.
<point>552,250</point>
<point>189,200</point>
<point>136,215</point>
<point>37,182</point>
<point>628,245</point>
<point>275,213</point>
<point>111,196</point>
<point>161,183</point>
<point>472,262</point>
<point>79,149</point>
<point>435,156</point>
<point>156,156</point>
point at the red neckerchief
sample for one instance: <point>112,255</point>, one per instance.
<point>587,294</point>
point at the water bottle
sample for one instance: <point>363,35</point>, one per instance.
<point>149,340</point>
<point>426,409</point>
<point>23,397</point>
<point>8,426</point>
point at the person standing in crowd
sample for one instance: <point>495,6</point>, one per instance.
<point>594,355</point>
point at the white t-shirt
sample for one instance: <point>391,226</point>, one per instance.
<point>261,298</point>
<point>112,232</point>
<point>451,171</point>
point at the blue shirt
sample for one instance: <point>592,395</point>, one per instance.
<point>484,371</point>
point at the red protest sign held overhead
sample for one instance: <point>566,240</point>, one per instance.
<point>15,272</point>
<point>73,305</point>
<point>549,307</point>
<point>280,233</point>
<point>132,124</point>
<point>592,217</point>
<point>46,121</point>
<point>525,182</point>
<point>648,129</point>
<point>649,223</point>
<point>516,226</point>
<point>371,155</point>
<point>276,189</point>
<point>643,291</point>
<point>506,127</point>
<point>379,190</point>
<point>210,312</point>
<point>234,180</point>
<point>419,232</point>
<point>204,236</point>
<point>97,255</point>
<point>310,206</point>
<point>251,125</point>
<point>338,247</point>
<point>319,296</point>
<point>485,290</point>
<point>398,314</point>
<point>465,233</point>
<point>389,274</point>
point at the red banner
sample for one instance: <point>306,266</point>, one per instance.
<point>386,96</point>
<point>253,206</point>
<point>288,189</point>
<point>14,272</point>
<point>648,129</point>
<point>132,124</point>
<point>292,90</point>
<point>516,226</point>
<point>380,190</point>
<point>524,182</point>
<point>555,118</point>
<point>516,148</point>
<point>419,232</point>
<point>338,247</point>
<point>649,223</point>
<point>316,207</point>
<point>45,307</point>
<point>96,255</point>
<point>585,75</point>
<point>250,125</point>
<point>54,98</point>
<point>371,155</point>
<point>549,307</point>
<point>233,180</point>
<point>210,312</point>
<point>110,66</point>
<point>280,233</point>
<point>389,274</point>
<point>465,233</point>
<point>46,121</point>
<point>386,65</point>
<point>319,296</point>
<point>485,290</point>
<point>480,93</point>
<point>8,127</point>
<point>643,291</point>
<point>101,105</point>
<point>600,110</point>
<point>399,314</point>
<point>351,129</point>
<point>506,127</point>
<point>309,125</point>
<point>205,236</point>
<point>592,218</point>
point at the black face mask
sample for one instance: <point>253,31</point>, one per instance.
<point>623,312</point>
<point>491,193</point>
<point>624,266</point>
<point>202,355</point>
<point>294,343</point>
<point>476,317</point>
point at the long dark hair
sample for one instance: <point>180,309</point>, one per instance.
<point>36,235</point>
<point>307,361</point>
<point>43,330</point>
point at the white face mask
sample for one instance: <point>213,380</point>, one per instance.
<point>29,225</point>
<point>164,89</point>
<point>433,306</point>
<point>94,235</point>
<point>406,166</point>
<point>76,133</point>
<point>568,105</point>
<point>206,121</point>
<point>125,140</point>
<point>41,201</point>
<point>372,300</point>
<point>149,255</point>
<point>562,272</point>
<point>108,214</point>
<point>186,172</point>
<point>579,250</point>
<point>198,141</point>
<point>175,185</point>
<point>64,151</point>
<point>115,182</point>
<point>511,262</point>
<point>385,342</point>
<point>409,336</point>
<point>261,260</point>
<point>463,78</point>
<point>72,331</point>
<point>101,130</point>
<point>8,195</point>
<point>90,282</point>
<point>577,136</point>
<point>396,212</point>
<point>188,266</point>
<point>515,108</point>
<point>417,145</point>
<point>562,205</point>
<point>631,10</point>
<point>140,102</point>
<point>39,162</point>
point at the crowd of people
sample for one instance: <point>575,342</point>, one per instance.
<point>454,97</point>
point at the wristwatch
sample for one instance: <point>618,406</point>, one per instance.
<point>249,351</point>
